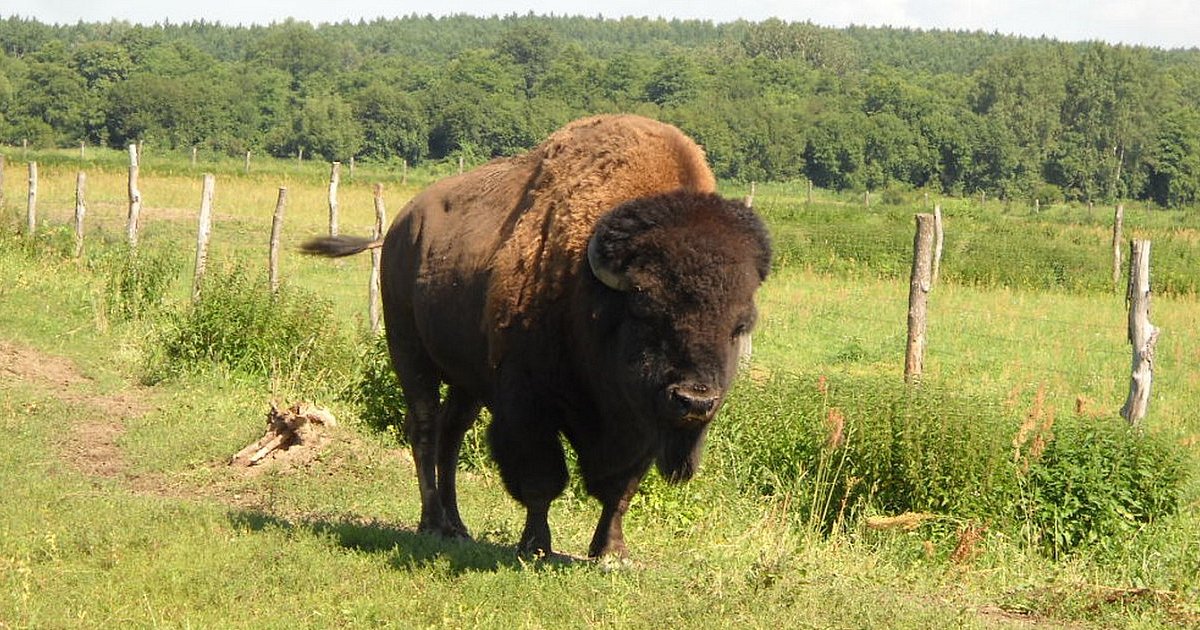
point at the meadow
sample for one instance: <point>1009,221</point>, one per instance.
<point>1004,491</point>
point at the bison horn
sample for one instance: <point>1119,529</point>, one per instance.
<point>609,276</point>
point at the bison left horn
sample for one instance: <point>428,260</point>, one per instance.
<point>609,276</point>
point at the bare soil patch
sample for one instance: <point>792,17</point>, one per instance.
<point>88,442</point>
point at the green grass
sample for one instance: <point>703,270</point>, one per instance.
<point>176,538</point>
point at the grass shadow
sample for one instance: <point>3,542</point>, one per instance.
<point>409,550</point>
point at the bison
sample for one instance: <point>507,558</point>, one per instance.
<point>595,288</point>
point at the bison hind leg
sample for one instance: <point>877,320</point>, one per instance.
<point>457,414</point>
<point>435,430</point>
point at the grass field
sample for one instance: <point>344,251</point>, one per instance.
<point>119,509</point>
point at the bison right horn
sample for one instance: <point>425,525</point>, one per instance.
<point>609,276</point>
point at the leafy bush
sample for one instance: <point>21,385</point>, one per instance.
<point>376,389</point>
<point>1099,479</point>
<point>840,448</point>
<point>238,324</point>
<point>135,283</point>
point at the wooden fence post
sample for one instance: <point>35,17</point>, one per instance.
<point>80,210</point>
<point>404,172</point>
<point>460,165</point>
<point>31,207</point>
<point>300,156</point>
<point>247,162</point>
<point>918,296</point>
<point>867,199</point>
<point>938,240</point>
<point>335,176</point>
<point>2,200</point>
<point>135,198</point>
<point>1118,219</point>
<point>750,196</point>
<point>376,260</point>
<point>809,191</point>
<point>276,231</point>
<point>82,145</point>
<point>202,234</point>
<point>1142,334</point>
<point>351,167</point>
<point>193,156</point>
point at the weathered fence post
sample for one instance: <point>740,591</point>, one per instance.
<point>460,165</point>
<point>202,234</point>
<point>247,169</point>
<point>918,296</point>
<point>938,240</point>
<point>867,199</point>
<point>276,231</point>
<point>80,210</point>
<point>404,172</point>
<point>1118,219</point>
<point>135,198</point>
<point>352,167</point>
<point>194,156</point>
<point>300,156</point>
<point>335,176</point>
<point>31,207</point>
<point>82,146</point>
<point>1142,334</point>
<point>376,260</point>
<point>2,200</point>
<point>750,196</point>
<point>809,191</point>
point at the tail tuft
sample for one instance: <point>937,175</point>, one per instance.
<point>338,246</point>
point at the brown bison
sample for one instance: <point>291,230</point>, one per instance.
<point>594,288</point>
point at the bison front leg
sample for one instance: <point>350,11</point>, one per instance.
<point>614,495</point>
<point>534,471</point>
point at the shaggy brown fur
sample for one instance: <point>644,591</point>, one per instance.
<point>579,173</point>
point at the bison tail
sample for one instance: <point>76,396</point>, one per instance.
<point>338,246</point>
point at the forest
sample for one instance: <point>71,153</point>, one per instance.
<point>849,109</point>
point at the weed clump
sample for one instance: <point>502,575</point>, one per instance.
<point>238,324</point>
<point>838,450</point>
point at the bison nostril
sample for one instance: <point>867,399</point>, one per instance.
<point>695,401</point>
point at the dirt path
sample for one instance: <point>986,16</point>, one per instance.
<point>88,442</point>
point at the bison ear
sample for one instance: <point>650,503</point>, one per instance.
<point>604,272</point>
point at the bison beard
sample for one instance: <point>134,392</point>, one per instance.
<point>679,456</point>
<point>594,288</point>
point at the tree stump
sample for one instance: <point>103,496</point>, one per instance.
<point>299,424</point>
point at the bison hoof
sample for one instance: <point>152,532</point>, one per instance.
<point>444,530</point>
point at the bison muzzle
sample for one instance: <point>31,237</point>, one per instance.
<point>595,288</point>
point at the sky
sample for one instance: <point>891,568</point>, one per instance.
<point>1161,23</point>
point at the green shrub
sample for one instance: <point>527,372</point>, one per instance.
<point>839,448</point>
<point>376,389</point>
<point>238,324</point>
<point>1098,479</point>
<point>134,285</point>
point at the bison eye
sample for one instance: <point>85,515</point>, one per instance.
<point>740,330</point>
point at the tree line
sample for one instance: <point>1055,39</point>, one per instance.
<point>856,108</point>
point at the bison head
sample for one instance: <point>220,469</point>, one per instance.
<point>672,295</point>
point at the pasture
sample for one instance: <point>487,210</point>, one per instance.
<point>1004,491</point>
